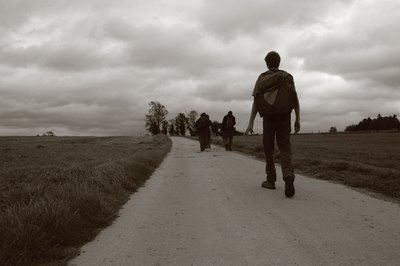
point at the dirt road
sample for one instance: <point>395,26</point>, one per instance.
<point>209,209</point>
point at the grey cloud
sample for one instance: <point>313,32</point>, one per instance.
<point>76,118</point>
<point>79,103</point>
<point>15,13</point>
<point>118,28</point>
<point>228,19</point>
<point>62,57</point>
<point>235,84</point>
<point>365,46</point>
<point>180,47</point>
<point>176,47</point>
<point>91,67</point>
<point>74,58</point>
<point>381,64</point>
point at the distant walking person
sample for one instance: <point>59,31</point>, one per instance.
<point>228,129</point>
<point>274,99</point>
<point>202,126</point>
<point>208,139</point>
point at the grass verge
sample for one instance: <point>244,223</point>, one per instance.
<point>362,160</point>
<point>57,193</point>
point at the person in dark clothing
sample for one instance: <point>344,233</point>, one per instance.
<point>276,123</point>
<point>228,129</point>
<point>203,127</point>
<point>208,139</point>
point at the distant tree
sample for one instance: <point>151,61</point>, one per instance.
<point>152,125</point>
<point>378,123</point>
<point>48,134</point>
<point>171,129</point>
<point>191,122</point>
<point>164,125</point>
<point>332,130</point>
<point>397,121</point>
<point>180,124</point>
<point>349,128</point>
<point>156,115</point>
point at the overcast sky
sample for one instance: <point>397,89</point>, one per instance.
<point>91,67</point>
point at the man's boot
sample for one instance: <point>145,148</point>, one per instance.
<point>289,187</point>
<point>268,184</point>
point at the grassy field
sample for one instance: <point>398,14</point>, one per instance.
<point>56,193</point>
<point>364,160</point>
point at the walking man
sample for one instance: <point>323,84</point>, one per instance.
<point>202,126</point>
<point>228,129</point>
<point>208,139</point>
<point>274,99</point>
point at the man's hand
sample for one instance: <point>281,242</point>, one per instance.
<point>296,126</point>
<point>249,130</point>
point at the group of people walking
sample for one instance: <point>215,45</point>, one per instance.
<point>204,129</point>
<point>274,99</point>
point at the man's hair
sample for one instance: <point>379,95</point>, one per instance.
<point>230,113</point>
<point>273,59</point>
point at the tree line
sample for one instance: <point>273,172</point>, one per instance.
<point>158,123</point>
<point>378,123</point>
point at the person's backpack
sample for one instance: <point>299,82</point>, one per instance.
<point>229,123</point>
<point>276,93</point>
<point>202,124</point>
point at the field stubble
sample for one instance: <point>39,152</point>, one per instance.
<point>57,193</point>
<point>364,160</point>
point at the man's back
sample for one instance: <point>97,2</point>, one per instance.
<point>202,124</point>
<point>275,92</point>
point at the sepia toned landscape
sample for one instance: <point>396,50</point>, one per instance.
<point>145,133</point>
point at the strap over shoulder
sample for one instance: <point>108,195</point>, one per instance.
<point>271,81</point>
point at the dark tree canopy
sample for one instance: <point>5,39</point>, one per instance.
<point>156,116</point>
<point>164,125</point>
<point>171,129</point>
<point>180,124</point>
<point>333,130</point>
<point>378,123</point>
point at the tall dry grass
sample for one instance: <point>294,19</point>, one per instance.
<point>58,193</point>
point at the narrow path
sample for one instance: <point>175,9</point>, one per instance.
<point>209,209</point>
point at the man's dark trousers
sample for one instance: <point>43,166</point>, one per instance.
<point>278,125</point>
<point>228,137</point>
<point>203,139</point>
